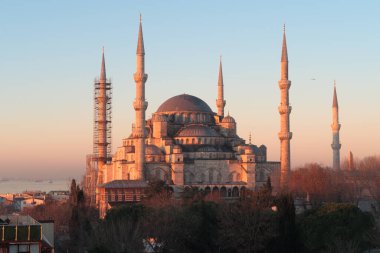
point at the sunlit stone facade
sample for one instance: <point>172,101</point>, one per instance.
<point>186,144</point>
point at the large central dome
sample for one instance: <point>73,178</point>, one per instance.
<point>184,103</point>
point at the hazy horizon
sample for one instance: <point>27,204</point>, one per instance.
<point>51,53</point>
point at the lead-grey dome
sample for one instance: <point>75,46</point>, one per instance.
<point>184,103</point>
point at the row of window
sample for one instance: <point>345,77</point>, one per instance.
<point>212,177</point>
<point>200,141</point>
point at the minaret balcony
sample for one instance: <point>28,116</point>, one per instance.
<point>140,77</point>
<point>220,103</point>
<point>285,135</point>
<point>284,109</point>
<point>140,105</point>
<point>284,84</point>
<point>138,132</point>
<point>335,127</point>
<point>336,146</point>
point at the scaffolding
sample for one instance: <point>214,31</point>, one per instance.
<point>107,124</point>
<point>102,138</point>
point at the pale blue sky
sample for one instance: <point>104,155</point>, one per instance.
<point>50,54</point>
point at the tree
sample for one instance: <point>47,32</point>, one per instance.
<point>248,225</point>
<point>122,230</point>
<point>332,226</point>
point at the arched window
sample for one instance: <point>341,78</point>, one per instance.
<point>229,193</point>
<point>207,190</point>
<point>242,191</point>
<point>223,192</point>
<point>215,192</point>
<point>235,192</point>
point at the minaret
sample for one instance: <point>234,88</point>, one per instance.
<point>284,109</point>
<point>350,161</point>
<point>335,126</point>
<point>220,102</point>
<point>140,106</point>
<point>102,116</point>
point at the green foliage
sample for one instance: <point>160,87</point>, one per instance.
<point>121,231</point>
<point>287,238</point>
<point>187,228</point>
<point>131,212</point>
<point>155,187</point>
<point>332,223</point>
<point>246,227</point>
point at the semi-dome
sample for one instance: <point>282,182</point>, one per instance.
<point>153,150</point>
<point>197,131</point>
<point>184,103</point>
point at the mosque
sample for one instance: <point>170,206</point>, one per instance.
<point>185,143</point>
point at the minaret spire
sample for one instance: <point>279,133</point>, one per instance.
<point>335,99</point>
<point>140,42</point>
<point>103,67</point>
<point>220,102</point>
<point>335,127</point>
<point>284,109</point>
<point>102,114</point>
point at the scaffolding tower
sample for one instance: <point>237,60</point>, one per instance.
<point>99,123</point>
<point>102,138</point>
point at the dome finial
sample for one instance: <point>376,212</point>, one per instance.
<point>250,138</point>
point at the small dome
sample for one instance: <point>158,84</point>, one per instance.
<point>184,103</point>
<point>197,131</point>
<point>152,150</point>
<point>228,119</point>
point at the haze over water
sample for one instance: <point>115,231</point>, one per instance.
<point>19,186</point>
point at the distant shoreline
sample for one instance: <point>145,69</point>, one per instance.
<point>44,185</point>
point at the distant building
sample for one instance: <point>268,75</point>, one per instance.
<point>20,201</point>
<point>59,195</point>
<point>24,234</point>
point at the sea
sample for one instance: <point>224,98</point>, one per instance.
<point>21,185</point>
